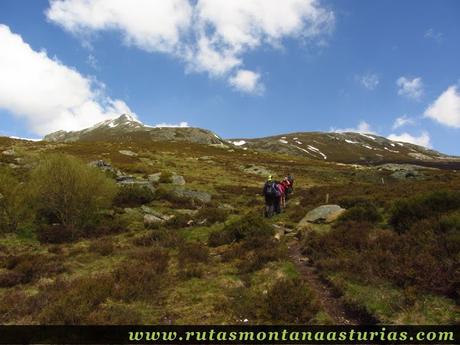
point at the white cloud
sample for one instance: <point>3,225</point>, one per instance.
<point>446,109</point>
<point>423,139</point>
<point>433,35</point>
<point>363,127</point>
<point>48,94</point>
<point>247,81</point>
<point>179,125</point>
<point>411,88</point>
<point>403,121</point>
<point>210,36</point>
<point>370,81</point>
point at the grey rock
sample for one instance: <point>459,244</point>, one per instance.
<point>187,212</point>
<point>150,219</point>
<point>177,180</point>
<point>128,153</point>
<point>202,197</point>
<point>321,215</point>
<point>10,152</point>
<point>154,177</point>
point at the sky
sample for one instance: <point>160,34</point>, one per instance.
<point>241,68</point>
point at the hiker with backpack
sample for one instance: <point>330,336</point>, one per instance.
<point>270,192</point>
<point>284,186</point>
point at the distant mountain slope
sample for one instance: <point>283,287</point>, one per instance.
<point>333,147</point>
<point>343,147</point>
<point>127,127</point>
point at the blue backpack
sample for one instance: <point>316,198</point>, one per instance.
<point>271,189</point>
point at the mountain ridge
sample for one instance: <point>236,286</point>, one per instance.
<point>346,147</point>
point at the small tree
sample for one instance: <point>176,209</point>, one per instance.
<point>68,192</point>
<point>11,201</point>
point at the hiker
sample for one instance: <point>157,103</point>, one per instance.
<point>269,192</point>
<point>278,194</point>
<point>285,184</point>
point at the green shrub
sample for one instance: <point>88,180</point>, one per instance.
<point>362,213</point>
<point>133,195</point>
<point>13,206</point>
<point>406,212</point>
<point>292,301</point>
<point>64,190</point>
<point>249,227</point>
<point>56,233</point>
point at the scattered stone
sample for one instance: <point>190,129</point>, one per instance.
<point>202,197</point>
<point>128,153</point>
<point>226,207</point>
<point>10,152</point>
<point>177,180</point>
<point>321,215</point>
<point>256,170</point>
<point>154,177</point>
<point>150,219</point>
<point>187,212</point>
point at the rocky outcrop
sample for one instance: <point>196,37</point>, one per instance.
<point>202,197</point>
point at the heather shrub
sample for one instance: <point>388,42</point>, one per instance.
<point>103,247</point>
<point>179,221</point>
<point>362,213</point>
<point>212,215</point>
<point>250,227</point>
<point>132,195</point>
<point>160,237</point>
<point>192,253</point>
<point>406,212</point>
<point>292,301</point>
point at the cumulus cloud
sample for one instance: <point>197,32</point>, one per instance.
<point>48,94</point>
<point>410,88</point>
<point>179,125</point>
<point>370,81</point>
<point>210,36</point>
<point>247,81</point>
<point>423,139</point>
<point>446,109</point>
<point>403,121</point>
<point>363,127</point>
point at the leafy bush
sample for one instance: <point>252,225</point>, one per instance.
<point>292,301</point>
<point>67,191</point>
<point>249,227</point>
<point>12,202</point>
<point>133,195</point>
<point>406,212</point>
<point>361,213</point>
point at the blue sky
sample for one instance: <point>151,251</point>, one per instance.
<point>242,68</point>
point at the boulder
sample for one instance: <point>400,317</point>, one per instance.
<point>154,177</point>
<point>150,219</point>
<point>177,180</point>
<point>202,197</point>
<point>150,211</point>
<point>321,215</point>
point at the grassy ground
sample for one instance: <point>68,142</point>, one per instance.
<point>113,278</point>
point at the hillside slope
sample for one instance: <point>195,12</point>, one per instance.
<point>345,148</point>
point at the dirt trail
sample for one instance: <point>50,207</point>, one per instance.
<point>330,302</point>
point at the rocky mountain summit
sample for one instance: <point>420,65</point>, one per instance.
<point>127,127</point>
